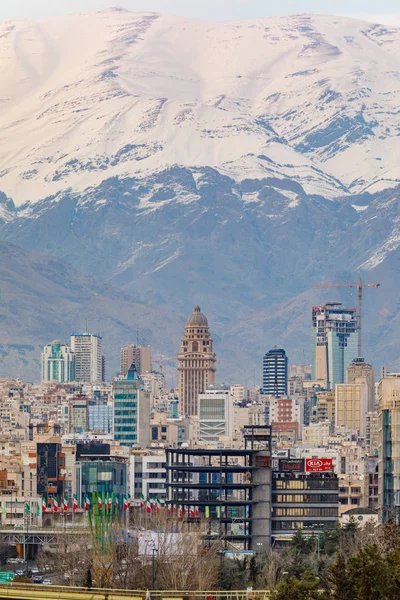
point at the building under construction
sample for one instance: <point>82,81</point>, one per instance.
<point>230,488</point>
<point>334,341</point>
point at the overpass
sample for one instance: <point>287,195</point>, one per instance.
<point>39,536</point>
<point>21,591</point>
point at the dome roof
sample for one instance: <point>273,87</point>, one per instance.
<point>197,319</point>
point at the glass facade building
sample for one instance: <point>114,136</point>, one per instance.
<point>389,447</point>
<point>104,477</point>
<point>275,373</point>
<point>131,410</point>
<point>100,418</point>
<point>334,342</point>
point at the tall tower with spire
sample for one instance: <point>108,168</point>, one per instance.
<point>196,362</point>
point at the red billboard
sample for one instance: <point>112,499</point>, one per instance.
<point>318,465</point>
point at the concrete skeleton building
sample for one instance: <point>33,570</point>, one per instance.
<point>196,363</point>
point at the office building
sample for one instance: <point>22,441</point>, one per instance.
<point>140,356</point>
<point>196,363</point>
<point>334,342</point>
<point>275,373</point>
<point>58,363</point>
<point>88,357</point>
<point>100,418</point>
<point>371,433</point>
<point>98,470</point>
<point>50,466</point>
<point>359,371</point>
<point>231,488</point>
<point>215,414</point>
<point>305,494</point>
<point>131,410</point>
<point>389,446</point>
<point>351,405</point>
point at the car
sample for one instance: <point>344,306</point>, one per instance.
<point>46,582</point>
<point>37,579</point>
<point>20,560</point>
<point>12,561</point>
<point>20,572</point>
<point>34,571</point>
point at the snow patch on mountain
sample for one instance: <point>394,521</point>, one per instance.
<point>114,94</point>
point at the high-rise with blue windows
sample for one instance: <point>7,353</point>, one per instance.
<point>275,373</point>
<point>334,342</point>
<point>131,410</point>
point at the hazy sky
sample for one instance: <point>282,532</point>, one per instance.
<point>208,9</point>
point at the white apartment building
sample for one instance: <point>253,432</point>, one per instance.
<point>87,348</point>
<point>215,414</point>
<point>147,475</point>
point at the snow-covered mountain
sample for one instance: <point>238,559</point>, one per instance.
<point>230,164</point>
<point>96,95</point>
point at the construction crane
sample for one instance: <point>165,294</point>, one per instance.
<point>360,286</point>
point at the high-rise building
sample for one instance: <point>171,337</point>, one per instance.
<point>359,371</point>
<point>275,373</point>
<point>140,356</point>
<point>131,412</point>
<point>389,446</point>
<point>334,342</point>
<point>88,357</point>
<point>58,363</point>
<point>215,414</point>
<point>351,406</point>
<point>196,363</point>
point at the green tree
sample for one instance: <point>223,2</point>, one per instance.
<point>368,573</point>
<point>338,582</point>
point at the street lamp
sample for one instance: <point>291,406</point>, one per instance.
<point>153,550</point>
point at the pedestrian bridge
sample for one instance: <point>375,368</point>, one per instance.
<point>20,591</point>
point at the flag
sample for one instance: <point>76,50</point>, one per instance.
<point>74,503</point>
<point>44,504</point>
<point>38,511</point>
<point>55,505</point>
<point>218,512</point>
<point>191,513</point>
<point>142,501</point>
<point>129,500</point>
<point>148,506</point>
<point>65,504</point>
<point>99,502</point>
<point>207,512</point>
<point>197,511</point>
<point>154,504</point>
<point>5,508</point>
<point>175,508</point>
<point>169,509</point>
<point>27,508</point>
<point>116,502</point>
<point>125,503</point>
<point>87,502</point>
<point>109,503</point>
<point>158,505</point>
<point>180,511</point>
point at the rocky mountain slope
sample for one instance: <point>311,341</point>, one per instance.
<point>230,164</point>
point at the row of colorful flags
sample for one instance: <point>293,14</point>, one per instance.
<point>155,504</point>
<point>104,501</point>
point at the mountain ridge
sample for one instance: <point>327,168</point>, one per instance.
<point>227,164</point>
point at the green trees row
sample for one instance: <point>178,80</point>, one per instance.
<point>348,563</point>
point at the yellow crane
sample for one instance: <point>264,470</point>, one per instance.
<point>360,286</point>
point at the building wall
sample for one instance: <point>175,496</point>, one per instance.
<point>389,446</point>
<point>88,357</point>
<point>351,405</point>
<point>215,415</point>
<point>58,363</point>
